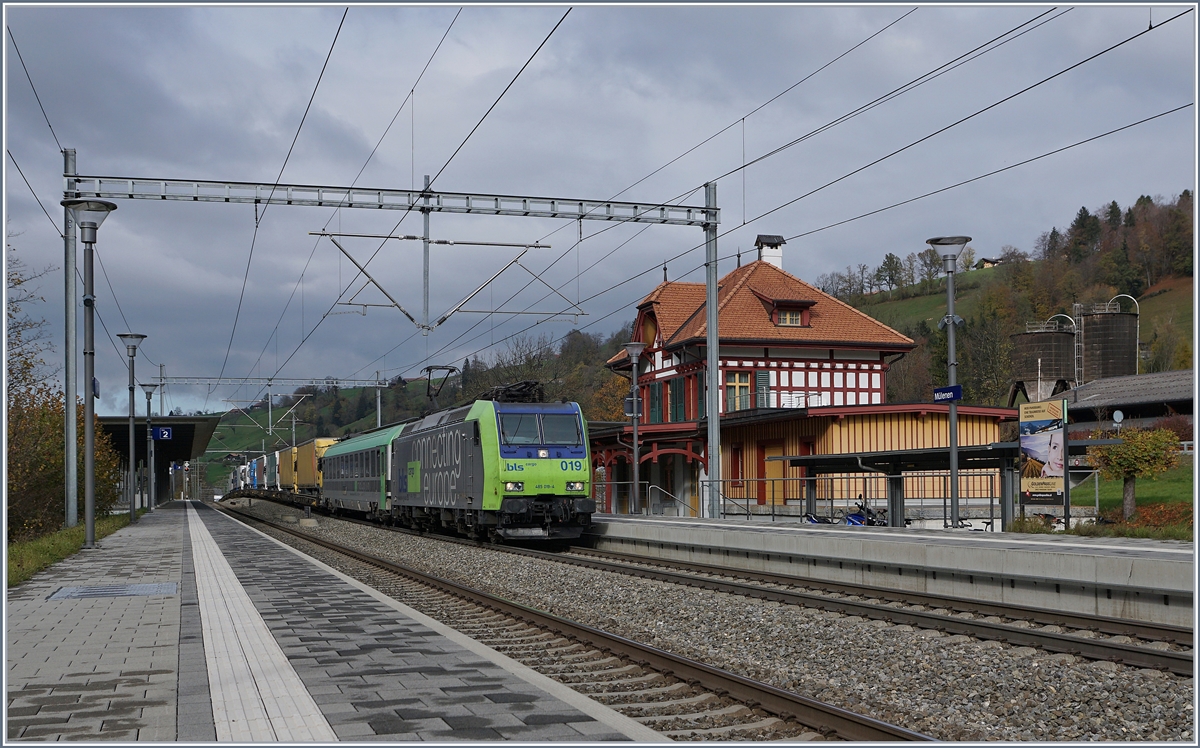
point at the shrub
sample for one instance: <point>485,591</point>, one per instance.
<point>35,464</point>
<point>1178,425</point>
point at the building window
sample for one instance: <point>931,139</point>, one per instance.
<point>701,395</point>
<point>676,400</point>
<point>790,317</point>
<point>656,402</point>
<point>737,390</point>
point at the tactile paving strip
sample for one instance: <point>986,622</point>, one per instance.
<point>115,590</point>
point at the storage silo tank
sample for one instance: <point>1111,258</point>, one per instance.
<point>1109,344</point>
<point>1054,348</point>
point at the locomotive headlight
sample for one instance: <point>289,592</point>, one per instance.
<point>543,453</point>
<point>514,486</point>
<point>573,486</point>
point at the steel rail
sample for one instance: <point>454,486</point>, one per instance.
<point>827,718</point>
<point>1180,663</point>
<point>1103,624</point>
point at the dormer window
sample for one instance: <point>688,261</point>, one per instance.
<point>792,314</point>
<point>788,312</point>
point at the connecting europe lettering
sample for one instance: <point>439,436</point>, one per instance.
<point>437,463</point>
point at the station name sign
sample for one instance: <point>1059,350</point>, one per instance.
<point>946,394</point>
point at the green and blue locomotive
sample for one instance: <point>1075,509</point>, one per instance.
<point>491,469</point>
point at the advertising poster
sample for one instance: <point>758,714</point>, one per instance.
<point>1043,452</point>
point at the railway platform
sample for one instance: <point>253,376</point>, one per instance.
<point>191,626</point>
<point>1127,578</point>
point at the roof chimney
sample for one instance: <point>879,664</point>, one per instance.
<point>770,249</point>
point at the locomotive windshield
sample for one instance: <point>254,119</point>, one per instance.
<point>561,429</point>
<point>518,429</point>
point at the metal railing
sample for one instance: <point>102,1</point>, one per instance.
<point>834,496</point>
<point>782,399</point>
<point>616,497</point>
<point>926,496</point>
<point>675,499</point>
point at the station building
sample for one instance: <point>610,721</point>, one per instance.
<point>802,373</point>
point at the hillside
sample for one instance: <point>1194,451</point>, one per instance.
<point>1168,300</point>
<point>995,304</point>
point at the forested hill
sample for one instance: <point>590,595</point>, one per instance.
<point>572,369</point>
<point>1145,250</point>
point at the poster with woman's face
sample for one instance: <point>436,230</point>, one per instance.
<point>1042,452</point>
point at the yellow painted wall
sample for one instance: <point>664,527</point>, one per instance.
<point>853,434</point>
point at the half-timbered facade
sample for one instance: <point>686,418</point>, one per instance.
<point>795,363</point>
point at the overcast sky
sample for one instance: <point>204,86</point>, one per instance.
<point>615,94</point>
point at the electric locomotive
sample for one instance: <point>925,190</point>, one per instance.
<point>494,470</point>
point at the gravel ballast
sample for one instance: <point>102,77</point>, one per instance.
<point>948,687</point>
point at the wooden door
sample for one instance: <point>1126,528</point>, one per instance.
<point>771,488</point>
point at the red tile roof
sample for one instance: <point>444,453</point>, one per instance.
<point>745,313</point>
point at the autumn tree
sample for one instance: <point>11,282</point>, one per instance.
<point>35,472</point>
<point>966,259</point>
<point>1084,235</point>
<point>893,271</point>
<point>931,265</point>
<point>1144,454</point>
<point>910,269</point>
<point>986,348</point>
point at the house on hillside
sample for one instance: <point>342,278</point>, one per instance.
<point>800,371</point>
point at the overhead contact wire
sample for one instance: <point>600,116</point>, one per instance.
<point>920,80</point>
<point>35,93</point>
<point>278,178</point>
<point>439,172</point>
<point>807,233</point>
<point>379,142</point>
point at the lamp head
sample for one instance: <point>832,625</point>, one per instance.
<point>953,245</point>
<point>131,340</point>
<point>88,215</point>
<point>149,389</point>
<point>634,349</point>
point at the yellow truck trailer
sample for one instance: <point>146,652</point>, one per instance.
<point>308,476</point>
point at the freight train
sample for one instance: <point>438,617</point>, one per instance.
<point>489,470</point>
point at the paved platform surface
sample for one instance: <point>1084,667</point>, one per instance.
<point>190,626</point>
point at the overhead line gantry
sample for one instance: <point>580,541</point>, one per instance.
<point>427,201</point>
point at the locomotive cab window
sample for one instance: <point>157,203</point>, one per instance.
<point>518,428</point>
<point>562,429</point>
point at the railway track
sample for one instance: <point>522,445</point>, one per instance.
<point>681,698</point>
<point>1133,643</point>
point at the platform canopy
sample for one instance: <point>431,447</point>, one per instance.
<point>189,436</point>
<point>981,457</point>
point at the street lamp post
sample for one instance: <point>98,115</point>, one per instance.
<point>87,216</point>
<point>132,340</point>
<point>150,476</point>
<point>635,350</point>
<point>950,264</point>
